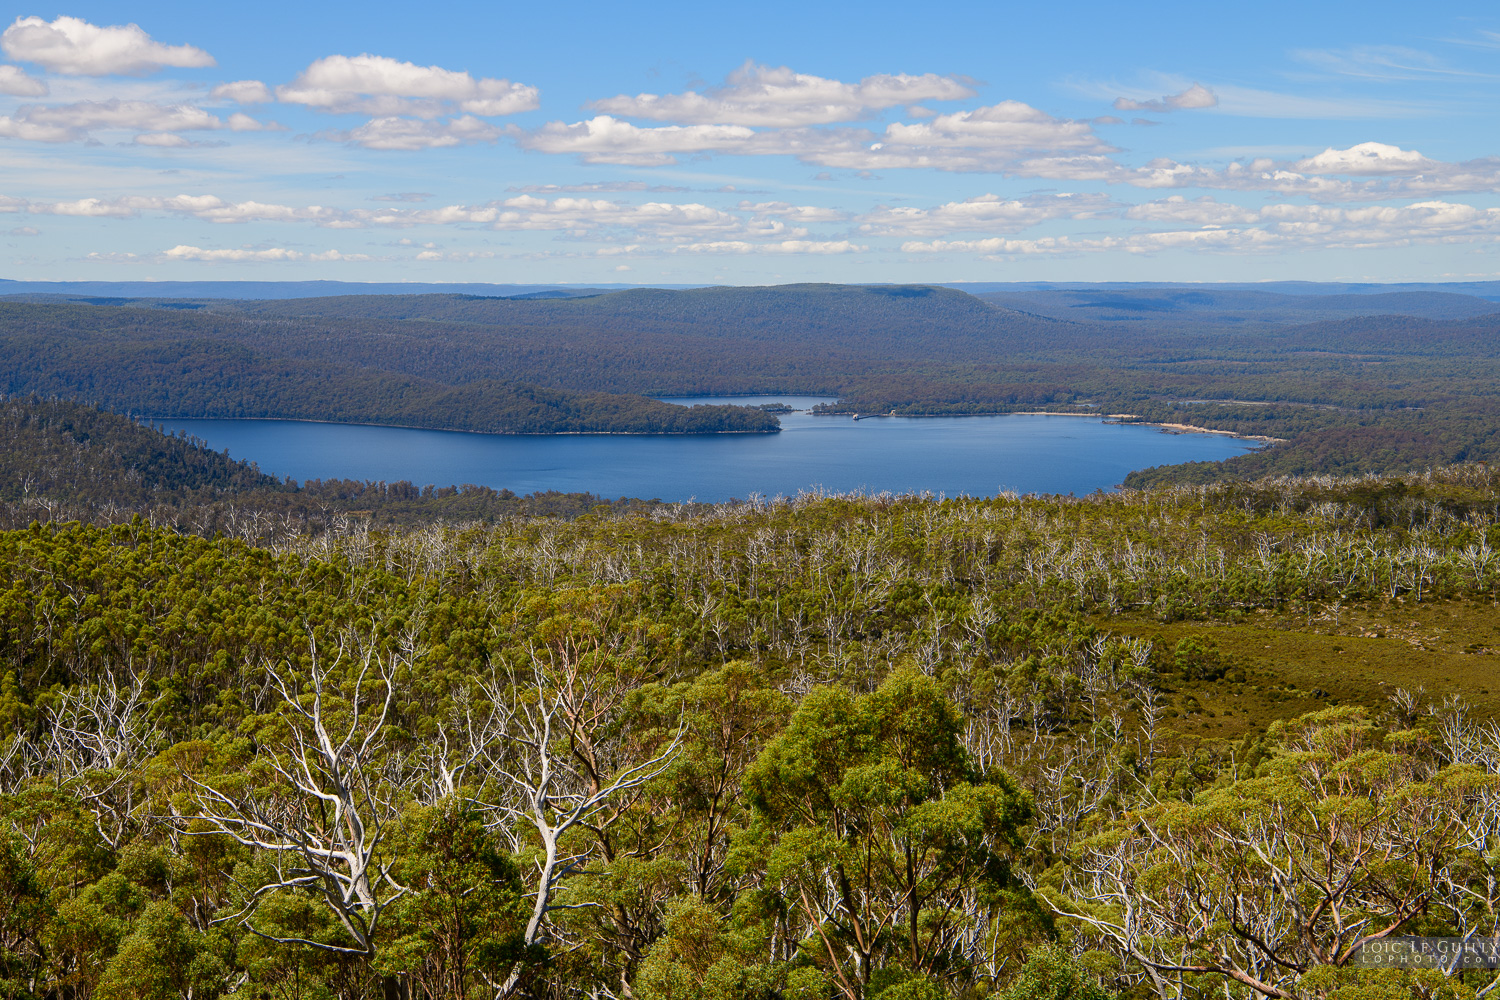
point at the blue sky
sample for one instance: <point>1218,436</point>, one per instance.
<point>769,142</point>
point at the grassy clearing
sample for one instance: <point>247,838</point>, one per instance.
<point>1284,666</point>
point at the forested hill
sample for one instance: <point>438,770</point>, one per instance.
<point>164,363</point>
<point>1346,393</point>
<point>61,460</point>
<point>61,450</point>
<point>872,318</point>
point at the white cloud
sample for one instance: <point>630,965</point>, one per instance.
<point>274,254</point>
<point>990,138</point>
<point>599,187</point>
<point>1009,125</point>
<point>15,82</point>
<point>117,114</point>
<point>1195,97</point>
<point>792,213</point>
<point>1366,158</point>
<point>580,216</point>
<point>824,247</point>
<point>19,128</point>
<point>380,86</point>
<point>1250,102</point>
<point>241,122</point>
<point>1274,228</point>
<point>207,208</point>
<point>72,45</point>
<point>995,138</point>
<point>91,208</point>
<point>1377,172</point>
<point>243,92</point>
<point>1203,211</point>
<point>409,134</point>
<point>165,140</point>
<point>778,97</point>
<point>985,212</point>
<point>604,139</point>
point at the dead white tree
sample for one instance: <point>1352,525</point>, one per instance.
<point>554,775</point>
<point>320,817</point>
<point>94,738</point>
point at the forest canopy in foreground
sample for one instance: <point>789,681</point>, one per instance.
<point>1344,391</point>
<point>1192,742</point>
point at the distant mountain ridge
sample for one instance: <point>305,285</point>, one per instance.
<point>1489,290</point>
<point>1345,389</point>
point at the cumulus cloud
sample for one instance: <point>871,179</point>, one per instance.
<point>1195,97</point>
<point>90,208</point>
<point>986,138</point>
<point>1277,228</point>
<point>605,139</point>
<point>985,212</point>
<point>243,92</point>
<point>17,127</point>
<point>408,134</point>
<point>597,218</point>
<point>778,97</point>
<point>77,121</point>
<point>380,86</point>
<point>73,45</point>
<point>599,187</point>
<point>1370,171</point>
<point>15,82</point>
<point>783,247</point>
<point>792,213</point>
<point>85,116</point>
<point>207,208</point>
<point>998,138</point>
<point>1366,158</point>
<point>159,124</point>
<point>1204,211</point>
<point>273,254</point>
<point>579,216</point>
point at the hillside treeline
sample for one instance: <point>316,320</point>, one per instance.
<point>62,461</point>
<point>1425,388</point>
<point>831,748</point>
<point>129,360</point>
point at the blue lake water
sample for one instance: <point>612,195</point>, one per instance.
<point>979,456</point>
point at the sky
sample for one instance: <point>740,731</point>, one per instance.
<point>676,143</point>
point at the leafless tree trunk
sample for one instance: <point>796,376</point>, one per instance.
<point>553,778</point>
<point>322,816</point>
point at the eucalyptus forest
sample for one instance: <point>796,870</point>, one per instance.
<point>1179,742</point>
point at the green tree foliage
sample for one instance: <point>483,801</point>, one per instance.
<point>458,928</point>
<point>790,750</point>
<point>879,833</point>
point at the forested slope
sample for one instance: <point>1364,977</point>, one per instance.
<point>870,748</point>
<point>61,460</point>
<point>1360,394</point>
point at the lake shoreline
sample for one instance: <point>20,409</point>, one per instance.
<point>1122,419</point>
<point>460,430</point>
<point>972,457</point>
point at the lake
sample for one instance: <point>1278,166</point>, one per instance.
<point>979,456</point>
